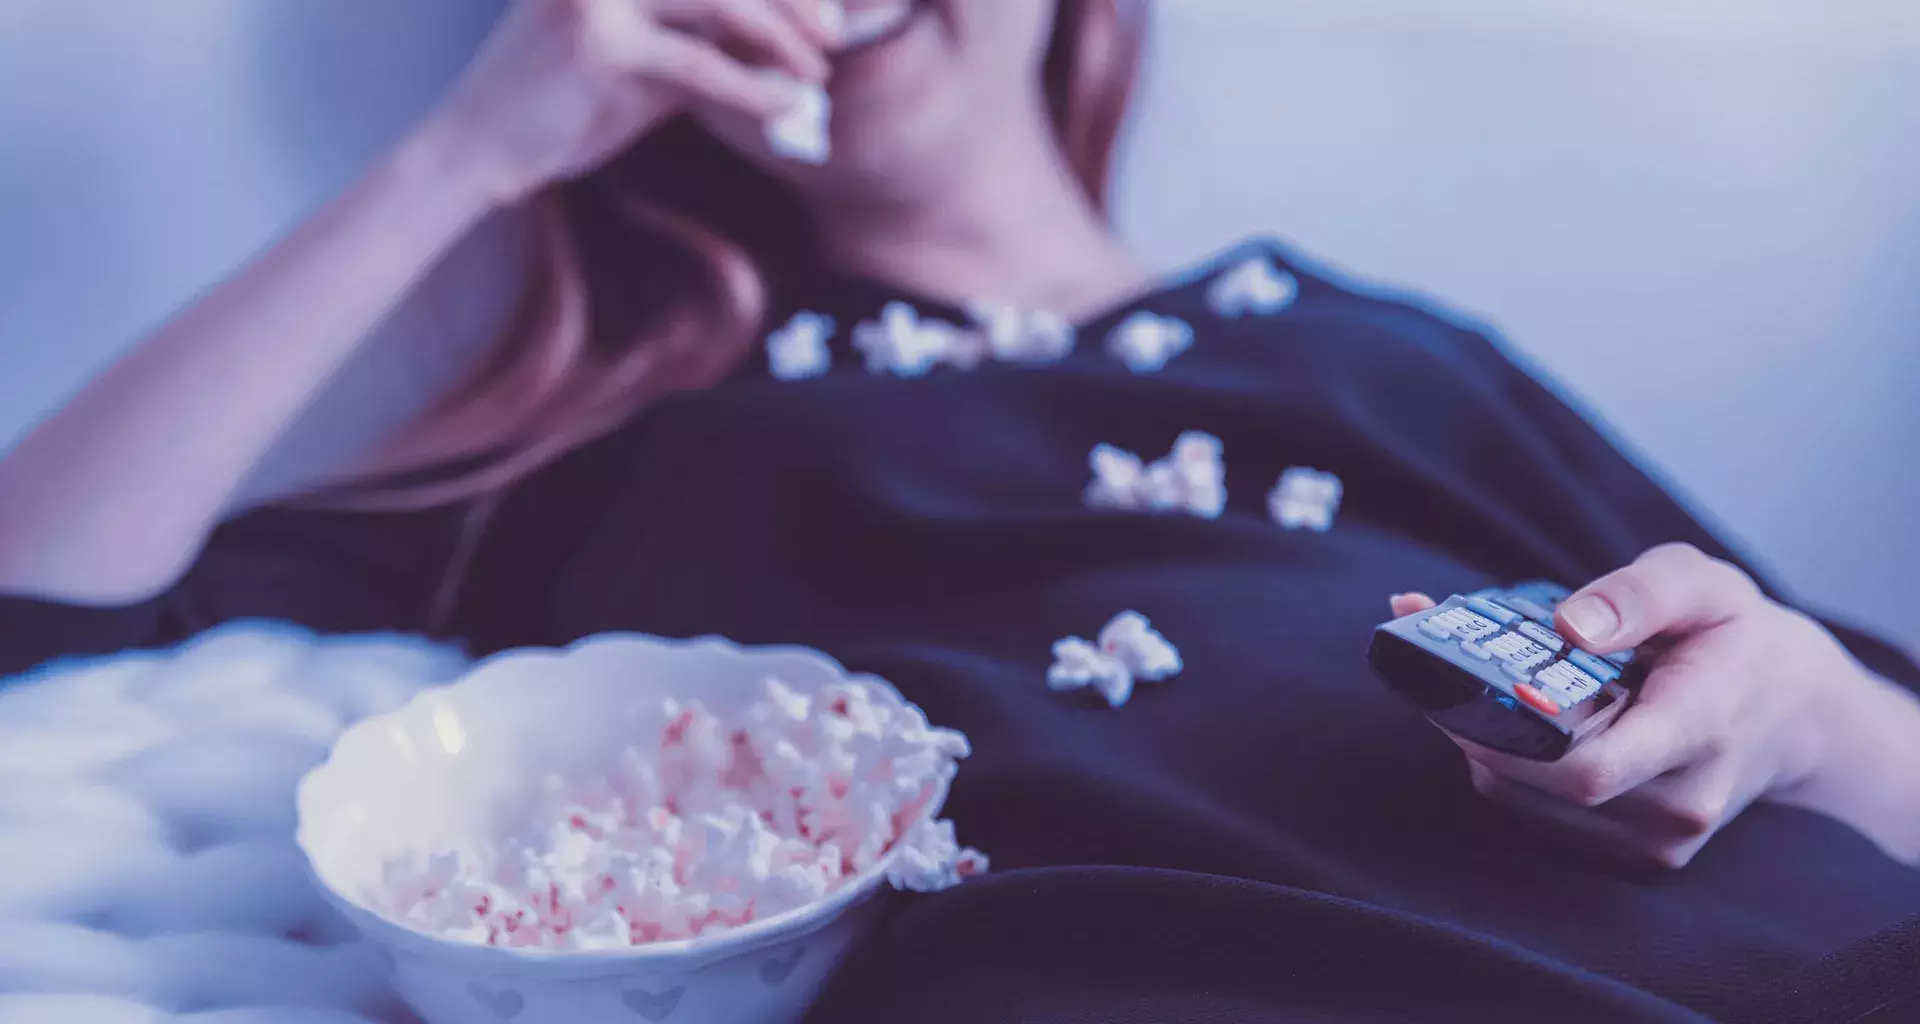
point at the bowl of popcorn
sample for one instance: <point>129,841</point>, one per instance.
<point>631,829</point>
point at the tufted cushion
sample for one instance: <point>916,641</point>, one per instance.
<point>147,866</point>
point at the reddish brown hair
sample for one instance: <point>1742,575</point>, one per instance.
<point>655,275</point>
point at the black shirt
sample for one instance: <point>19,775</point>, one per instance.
<point>1272,835</point>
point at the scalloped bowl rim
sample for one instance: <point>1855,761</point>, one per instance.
<point>679,954</point>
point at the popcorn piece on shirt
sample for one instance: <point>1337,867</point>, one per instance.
<point>1016,336</point>
<point>1049,338</point>
<point>901,343</point>
<point>1078,664</point>
<point>1117,478</point>
<point>961,348</point>
<point>1200,473</point>
<point>1129,652</point>
<point>1254,286</point>
<point>1305,499</point>
<point>1131,639</point>
<point>1191,479</point>
<point>1146,342</point>
<point>799,350</point>
<point>804,132</point>
<point>1001,323</point>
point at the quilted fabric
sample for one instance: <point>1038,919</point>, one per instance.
<point>147,868</point>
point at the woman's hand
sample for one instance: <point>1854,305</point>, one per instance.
<point>564,85</point>
<point>1746,700</point>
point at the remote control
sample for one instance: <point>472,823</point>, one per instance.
<point>1488,666</point>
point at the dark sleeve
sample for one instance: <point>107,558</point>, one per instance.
<point>1650,512</point>
<point>335,572</point>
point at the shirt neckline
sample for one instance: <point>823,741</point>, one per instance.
<point>852,297</point>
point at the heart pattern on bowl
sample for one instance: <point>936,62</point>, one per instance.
<point>505,1004</point>
<point>779,968</point>
<point>654,1006</point>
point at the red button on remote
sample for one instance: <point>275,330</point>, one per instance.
<point>1539,701</point>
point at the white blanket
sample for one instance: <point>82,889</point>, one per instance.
<point>147,867</point>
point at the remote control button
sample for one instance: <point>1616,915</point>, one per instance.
<point>1621,657</point>
<point>1554,691</point>
<point>1480,631</point>
<point>1497,612</point>
<point>1545,637</point>
<point>1517,670</point>
<point>1517,650</point>
<point>1476,650</point>
<point>1536,700</point>
<point>1457,621</point>
<point>1441,623</point>
<point>1594,665</point>
<point>1505,644</point>
<point>1564,677</point>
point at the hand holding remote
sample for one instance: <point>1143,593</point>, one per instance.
<point>1745,700</point>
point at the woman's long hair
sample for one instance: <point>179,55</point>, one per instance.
<point>655,274</point>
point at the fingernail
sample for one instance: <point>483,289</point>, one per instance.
<point>833,18</point>
<point>1593,617</point>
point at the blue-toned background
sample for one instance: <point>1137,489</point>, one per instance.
<point>1702,215</point>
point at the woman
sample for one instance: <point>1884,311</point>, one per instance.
<point>1271,835</point>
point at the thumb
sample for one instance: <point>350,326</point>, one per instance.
<point>1671,590</point>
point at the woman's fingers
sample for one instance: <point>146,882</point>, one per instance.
<point>1404,605</point>
<point>710,77</point>
<point>1651,828</point>
<point>1643,745</point>
<point>1576,827</point>
<point>1672,589</point>
<point>1678,720</point>
<point>771,29</point>
<point>823,20</point>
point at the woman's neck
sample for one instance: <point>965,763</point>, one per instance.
<point>1005,222</point>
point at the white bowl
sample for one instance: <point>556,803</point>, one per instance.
<point>464,761</point>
